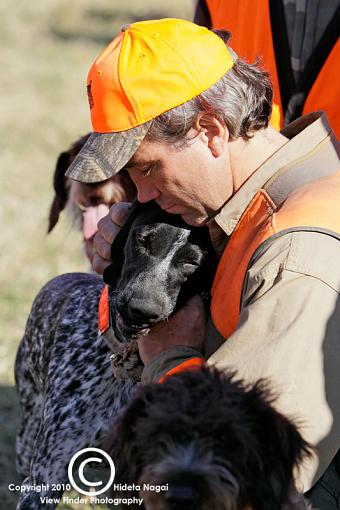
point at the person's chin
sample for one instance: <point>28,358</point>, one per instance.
<point>195,221</point>
<point>190,217</point>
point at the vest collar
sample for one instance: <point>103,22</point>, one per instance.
<point>304,134</point>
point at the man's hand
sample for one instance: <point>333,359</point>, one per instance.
<point>186,327</point>
<point>108,228</point>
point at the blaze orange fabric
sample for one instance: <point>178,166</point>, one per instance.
<point>104,310</point>
<point>252,36</point>
<point>151,67</point>
<point>190,364</point>
<point>324,94</point>
<point>313,205</point>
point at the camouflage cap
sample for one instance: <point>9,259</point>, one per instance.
<point>104,154</point>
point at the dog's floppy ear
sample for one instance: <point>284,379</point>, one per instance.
<point>61,193</point>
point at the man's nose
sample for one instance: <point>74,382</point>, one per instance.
<point>147,192</point>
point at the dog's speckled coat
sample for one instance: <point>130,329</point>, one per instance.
<point>63,375</point>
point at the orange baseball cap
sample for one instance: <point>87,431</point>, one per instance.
<point>148,69</point>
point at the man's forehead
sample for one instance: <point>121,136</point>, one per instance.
<point>144,155</point>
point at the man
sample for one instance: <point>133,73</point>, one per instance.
<point>175,107</point>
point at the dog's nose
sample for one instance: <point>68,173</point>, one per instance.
<point>181,497</point>
<point>141,311</point>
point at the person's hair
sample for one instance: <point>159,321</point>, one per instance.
<point>241,99</point>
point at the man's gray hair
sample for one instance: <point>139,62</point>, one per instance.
<point>241,99</point>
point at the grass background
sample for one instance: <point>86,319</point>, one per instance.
<point>47,48</point>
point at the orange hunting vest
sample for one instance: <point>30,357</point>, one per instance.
<point>258,30</point>
<point>315,205</point>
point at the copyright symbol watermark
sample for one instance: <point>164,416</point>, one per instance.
<point>99,454</point>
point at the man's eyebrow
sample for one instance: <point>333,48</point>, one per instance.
<point>138,164</point>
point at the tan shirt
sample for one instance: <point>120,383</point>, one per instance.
<point>289,328</point>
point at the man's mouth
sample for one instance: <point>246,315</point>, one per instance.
<point>173,209</point>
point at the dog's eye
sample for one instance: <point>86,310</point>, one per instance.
<point>143,240</point>
<point>189,259</point>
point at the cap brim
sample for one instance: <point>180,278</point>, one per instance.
<point>104,154</point>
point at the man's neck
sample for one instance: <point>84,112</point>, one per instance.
<point>247,156</point>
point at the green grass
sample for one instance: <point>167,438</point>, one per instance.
<point>47,48</point>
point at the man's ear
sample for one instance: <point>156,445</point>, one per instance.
<point>214,133</point>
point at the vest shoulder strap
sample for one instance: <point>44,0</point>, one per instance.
<point>312,206</point>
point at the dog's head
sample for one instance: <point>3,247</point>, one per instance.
<point>164,263</point>
<point>212,442</point>
<point>86,203</point>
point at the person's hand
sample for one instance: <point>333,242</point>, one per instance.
<point>185,327</point>
<point>108,228</point>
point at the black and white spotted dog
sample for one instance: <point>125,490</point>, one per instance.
<point>68,394</point>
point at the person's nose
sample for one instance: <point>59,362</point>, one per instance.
<point>146,192</point>
<point>146,189</point>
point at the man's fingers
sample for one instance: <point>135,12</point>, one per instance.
<point>119,212</point>
<point>102,248</point>
<point>107,229</point>
<point>110,225</point>
<point>99,264</point>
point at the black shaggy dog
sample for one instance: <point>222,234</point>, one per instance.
<point>211,442</point>
<point>68,393</point>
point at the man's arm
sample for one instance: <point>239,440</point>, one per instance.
<point>289,333</point>
<point>177,343</point>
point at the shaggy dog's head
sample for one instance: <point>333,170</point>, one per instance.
<point>161,263</point>
<point>215,443</point>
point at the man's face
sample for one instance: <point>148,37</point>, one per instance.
<point>192,181</point>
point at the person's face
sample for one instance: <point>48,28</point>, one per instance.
<point>194,181</point>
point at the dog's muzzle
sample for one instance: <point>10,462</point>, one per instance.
<point>179,497</point>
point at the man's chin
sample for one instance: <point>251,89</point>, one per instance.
<point>195,221</point>
<point>192,219</point>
